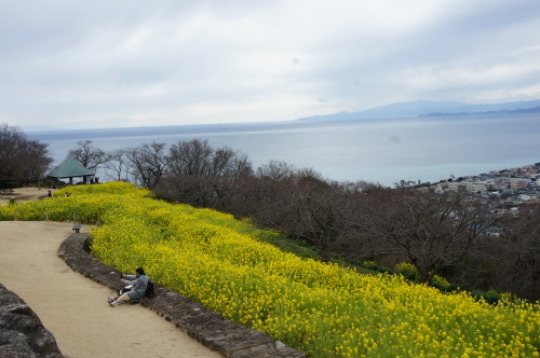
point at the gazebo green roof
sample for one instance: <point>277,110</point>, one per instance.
<point>70,168</point>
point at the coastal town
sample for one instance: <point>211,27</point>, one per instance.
<point>510,187</point>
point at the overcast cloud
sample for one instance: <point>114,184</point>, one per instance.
<point>91,64</point>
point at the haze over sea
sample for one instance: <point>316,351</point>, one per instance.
<point>383,151</point>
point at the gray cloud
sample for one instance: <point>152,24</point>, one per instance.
<point>117,63</point>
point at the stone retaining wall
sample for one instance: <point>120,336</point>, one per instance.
<point>21,332</point>
<point>211,329</point>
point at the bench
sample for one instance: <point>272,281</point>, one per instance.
<point>77,228</point>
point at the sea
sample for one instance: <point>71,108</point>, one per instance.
<point>378,151</point>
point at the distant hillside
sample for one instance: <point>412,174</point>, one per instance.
<point>504,111</point>
<point>428,108</point>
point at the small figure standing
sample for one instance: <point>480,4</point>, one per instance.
<point>138,283</point>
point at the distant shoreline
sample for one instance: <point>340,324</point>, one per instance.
<point>375,151</point>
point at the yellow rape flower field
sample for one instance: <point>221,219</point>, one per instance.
<point>323,310</point>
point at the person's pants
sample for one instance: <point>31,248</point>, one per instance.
<point>123,298</point>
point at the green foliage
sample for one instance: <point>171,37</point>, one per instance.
<point>491,296</point>
<point>299,248</point>
<point>409,271</point>
<point>442,284</point>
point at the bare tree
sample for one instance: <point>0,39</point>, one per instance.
<point>35,162</point>
<point>148,163</point>
<point>190,158</point>
<point>118,163</point>
<point>88,155</point>
<point>222,163</point>
<point>276,170</point>
<point>301,205</point>
<point>319,218</point>
<point>201,175</point>
<point>21,160</point>
<point>513,258</point>
<point>432,231</point>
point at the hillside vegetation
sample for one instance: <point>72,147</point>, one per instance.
<point>321,309</point>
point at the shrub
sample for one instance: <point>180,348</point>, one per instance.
<point>442,284</point>
<point>409,271</point>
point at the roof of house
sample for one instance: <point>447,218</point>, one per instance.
<point>70,168</point>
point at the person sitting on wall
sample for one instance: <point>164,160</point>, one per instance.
<point>138,283</point>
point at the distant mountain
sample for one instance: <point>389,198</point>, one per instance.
<point>504,111</point>
<point>428,108</point>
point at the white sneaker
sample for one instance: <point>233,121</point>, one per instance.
<point>114,303</point>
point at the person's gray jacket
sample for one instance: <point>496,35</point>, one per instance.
<point>139,285</point>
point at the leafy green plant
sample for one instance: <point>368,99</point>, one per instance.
<point>409,271</point>
<point>442,284</point>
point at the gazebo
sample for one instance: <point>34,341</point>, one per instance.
<point>70,168</point>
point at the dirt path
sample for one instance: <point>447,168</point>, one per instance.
<point>23,194</point>
<point>74,309</point>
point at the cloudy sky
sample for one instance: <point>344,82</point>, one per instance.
<point>111,63</point>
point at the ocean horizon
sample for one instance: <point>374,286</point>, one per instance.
<point>383,151</point>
